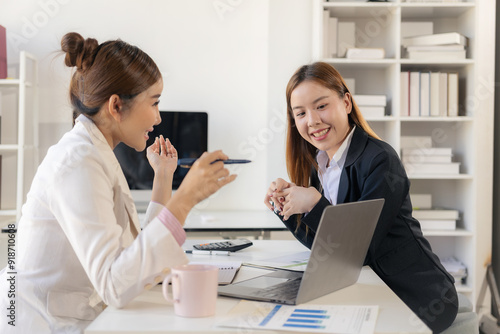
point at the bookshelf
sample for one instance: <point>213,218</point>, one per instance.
<point>470,135</point>
<point>18,136</point>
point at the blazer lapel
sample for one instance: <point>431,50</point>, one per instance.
<point>358,143</point>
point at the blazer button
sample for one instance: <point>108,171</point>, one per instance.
<point>148,286</point>
<point>158,279</point>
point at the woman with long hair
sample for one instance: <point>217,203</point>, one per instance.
<point>333,157</point>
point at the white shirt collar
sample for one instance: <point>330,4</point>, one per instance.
<point>339,157</point>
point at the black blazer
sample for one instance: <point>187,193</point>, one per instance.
<point>398,253</point>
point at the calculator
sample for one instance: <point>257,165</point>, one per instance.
<point>227,245</point>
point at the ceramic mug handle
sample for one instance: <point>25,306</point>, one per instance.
<point>164,288</point>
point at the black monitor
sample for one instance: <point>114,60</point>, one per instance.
<point>187,131</point>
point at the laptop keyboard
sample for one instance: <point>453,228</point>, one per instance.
<point>285,290</point>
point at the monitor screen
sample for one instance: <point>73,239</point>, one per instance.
<point>187,131</point>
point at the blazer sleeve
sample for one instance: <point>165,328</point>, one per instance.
<point>383,176</point>
<point>81,199</point>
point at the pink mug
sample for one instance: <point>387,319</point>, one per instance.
<point>194,289</point>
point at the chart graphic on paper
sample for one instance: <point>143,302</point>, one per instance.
<point>346,319</point>
<point>299,318</point>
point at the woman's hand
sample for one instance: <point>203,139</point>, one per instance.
<point>297,199</point>
<point>204,178</point>
<point>276,186</point>
<point>162,156</point>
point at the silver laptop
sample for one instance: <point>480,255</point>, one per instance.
<point>337,255</point>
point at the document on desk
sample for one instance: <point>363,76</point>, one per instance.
<point>345,319</point>
<point>227,269</point>
<point>295,261</point>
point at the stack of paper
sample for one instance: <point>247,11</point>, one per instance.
<point>371,105</point>
<point>437,219</point>
<point>446,46</point>
<point>419,157</point>
<point>456,269</point>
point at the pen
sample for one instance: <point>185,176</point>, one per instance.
<point>207,252</point>
<point>188,162</point>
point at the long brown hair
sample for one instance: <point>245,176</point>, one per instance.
<point>113,67</point>
<point>300,154</point>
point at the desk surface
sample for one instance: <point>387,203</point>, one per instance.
<point>232,221</point>
<point>150,313</point>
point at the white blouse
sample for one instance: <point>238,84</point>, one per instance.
<point>330,171</point>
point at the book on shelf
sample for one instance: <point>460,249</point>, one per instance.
<point>416,142</point>
<point>436,48</point>
<point>415,28</point>
<point>443,97</point>
<point>436,214</point>
<point>436,55</point>
<point>450,168</point>
<point>326,31</point>
<point>370,100</point>
<point>427,151</point>
<point>429,94</point>
<point>405,93</point>
<point>365,53</point>
<point>332,36</point>
<point>425,94</point>
<point>421,159</point>
<point>3,52</point>
<point>346,37</point>
<point>426,155</point>
<point>372,111</point>
<point>414,94</point>
<point>435,39</point>
<point>329,35</point>
<point>453,94</point>
<point>438,224</point>
<point>421,201</point>
<point>435,94</point>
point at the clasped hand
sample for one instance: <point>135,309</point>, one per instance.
<point>290,199</point>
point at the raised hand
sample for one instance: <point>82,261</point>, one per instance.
<point>162,156</point>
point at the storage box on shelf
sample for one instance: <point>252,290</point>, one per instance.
<point>460,126</point>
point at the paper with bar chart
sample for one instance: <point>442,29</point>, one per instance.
<point>345,319</point>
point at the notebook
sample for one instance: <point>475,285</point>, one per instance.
<point>342,239</point>
<point>227,269</point>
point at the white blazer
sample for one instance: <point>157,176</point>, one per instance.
<point>75,246</point>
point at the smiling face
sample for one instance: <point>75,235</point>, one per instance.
<point>141,116</point>
<point>320,115</point>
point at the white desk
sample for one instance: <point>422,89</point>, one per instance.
<point>232,224</point>
<point>150,313</point>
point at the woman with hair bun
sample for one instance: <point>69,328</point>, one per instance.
<point>79,243</point>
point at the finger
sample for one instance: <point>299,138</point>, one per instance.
<point>225,180</point>
<point>281,184</point>
<point>208,158</point>
<point>169,146</point>
<point>163,146</point>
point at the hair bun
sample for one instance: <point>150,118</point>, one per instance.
<point>79,51</point>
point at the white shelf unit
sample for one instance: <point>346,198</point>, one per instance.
<point>378,24</point>
<point>18,136</point>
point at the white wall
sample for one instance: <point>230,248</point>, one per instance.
<point>231,58</point>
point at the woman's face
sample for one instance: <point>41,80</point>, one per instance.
<point>139,119</point>
<point>321,116</point>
